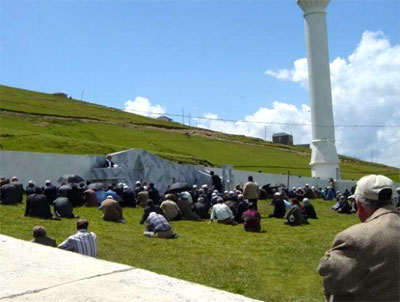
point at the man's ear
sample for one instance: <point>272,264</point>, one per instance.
<point>361,213</point>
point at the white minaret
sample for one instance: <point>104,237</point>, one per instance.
<point>324,159</point>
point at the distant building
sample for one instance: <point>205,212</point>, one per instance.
<point>282,138</point>
<point>61,94</point>
<point>164,118</point>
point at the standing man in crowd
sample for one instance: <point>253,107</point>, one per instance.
<point>216,182</point>
<point>251,191</point>
<point>363,263</point>
<point>83,242</point>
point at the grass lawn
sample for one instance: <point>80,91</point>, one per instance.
<point>276,265</point>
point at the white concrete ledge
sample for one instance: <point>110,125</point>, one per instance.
<point>33,272</point>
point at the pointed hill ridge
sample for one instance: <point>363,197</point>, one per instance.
<point>41,122</point>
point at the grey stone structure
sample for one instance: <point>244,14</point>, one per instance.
<point>136,164</point>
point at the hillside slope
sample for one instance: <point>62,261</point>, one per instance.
<point>40,122</point>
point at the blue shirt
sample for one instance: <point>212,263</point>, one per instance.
<point>101,195</point>
<point>113,194</point>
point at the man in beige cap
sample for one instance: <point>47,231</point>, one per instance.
<point>363,263</point>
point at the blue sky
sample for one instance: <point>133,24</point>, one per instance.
<point>203,56</point>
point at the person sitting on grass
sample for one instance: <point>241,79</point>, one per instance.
<point>295,216</point>
<point>150,208</point>
<point>308,209</point>
<point>128,197</point>
<point>222,213</point>
<point>63,207</point>
<point>242,206</point>
<point>50,191</point>
<point>75,195</point>
<point>232,202</point>
<point>8,193</point>
<point>170,208</point>
<point>30,189</point>
<point>19,187</point>
<point>112,211</point>
<point>142,196</point>
<point>157,226</point>
<point>251,219</point>
<point>344,206</point>
<point>186,208</point>
<point>201,208</point>
<point>82,242</point>
<point>37,205</point>
<point>279,206</point>
<point>39,236</point>
<point>90,198</point>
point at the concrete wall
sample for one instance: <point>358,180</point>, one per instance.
<point>136,164</point>
<point>42,166</point>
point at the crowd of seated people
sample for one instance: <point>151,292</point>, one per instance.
<point>198,203</point>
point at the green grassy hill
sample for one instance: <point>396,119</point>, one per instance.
<point>40,122</point>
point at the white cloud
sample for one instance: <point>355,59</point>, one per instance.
<point>142,106</point>
<point>276,118</point>
<point>365,91</point>
<point>298,74</point>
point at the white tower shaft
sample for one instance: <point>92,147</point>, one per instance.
<point>324,159</point>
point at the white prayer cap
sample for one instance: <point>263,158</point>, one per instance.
<point>369,187</point>
<point>110,197</point>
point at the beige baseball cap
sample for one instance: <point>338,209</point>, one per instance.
<point>369,187</point>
